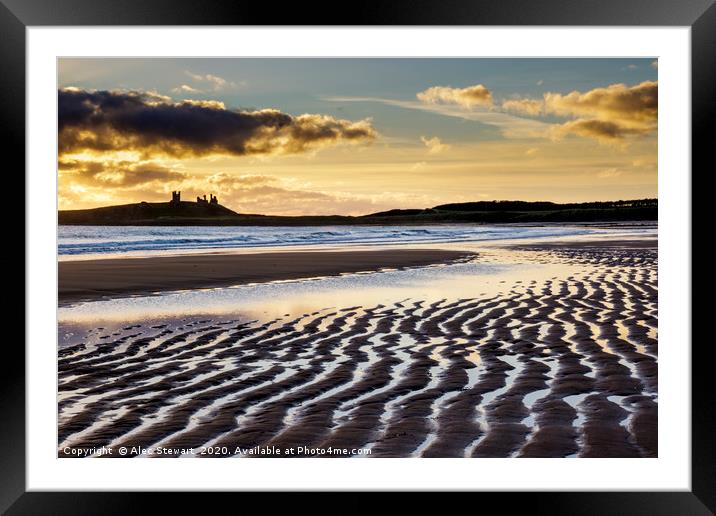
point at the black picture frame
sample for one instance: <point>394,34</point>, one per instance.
<point>700,15</point>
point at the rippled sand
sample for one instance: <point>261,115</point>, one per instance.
<point>548,367</point>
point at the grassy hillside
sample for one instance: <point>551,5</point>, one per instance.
<point>195,214</point>
<point>144,213</point>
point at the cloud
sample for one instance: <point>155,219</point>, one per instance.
<point>86,183</point>
<point>232,182</point>
<point>470,97</point>
<point>119,174</point>
<point>655,64</point>
<point>634,106</point>
<point>149,124</point>
<point>213,104</point>
<point>598,129</point>
<point>256,193</point>
<point>608,114</point>
<point>245,193</point>
<point>185,88</point>
<point>525,106</point>
<point>214,83</point>
<point>280,200</point>
<point>434,145</point>
<point>509,125</point>
<point>609,172</point>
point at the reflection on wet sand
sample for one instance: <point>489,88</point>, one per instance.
<point>534,351</point>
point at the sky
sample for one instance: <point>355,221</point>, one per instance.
<point>355,136</point>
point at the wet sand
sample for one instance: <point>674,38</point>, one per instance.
<point>92,279</point>
<point>558,367</point>
<point>586,243</point>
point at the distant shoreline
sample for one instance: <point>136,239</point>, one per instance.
<point>492,212</point>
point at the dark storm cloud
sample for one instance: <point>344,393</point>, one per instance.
<point>151,124</point>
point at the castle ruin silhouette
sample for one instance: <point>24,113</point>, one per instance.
<point>176,199</point>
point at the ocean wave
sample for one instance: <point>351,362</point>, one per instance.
<point>82,240</point>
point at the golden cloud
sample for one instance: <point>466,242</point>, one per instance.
<point>530,107</point>
<point>634,106</point>
<point>93,183</point>
<point>607,114</point>
<point>609,173</point>
<point>472,96</point>
<point>598,129</point>
<point>185,88</point>
<point>232,182</point>
<point>149,124</point>
<point>434,145</point>
<point>119,174</point>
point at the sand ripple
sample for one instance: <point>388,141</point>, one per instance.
<point>554,368</point>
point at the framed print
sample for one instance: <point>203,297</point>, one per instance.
<point>432,247</point>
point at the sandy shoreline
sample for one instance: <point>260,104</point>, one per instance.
<point>92,279</point>
<point>558,365</point>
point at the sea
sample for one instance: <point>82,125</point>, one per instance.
<point>76,242</point>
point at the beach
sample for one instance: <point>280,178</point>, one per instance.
<point>532,347</point>
<point>91,279</point>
